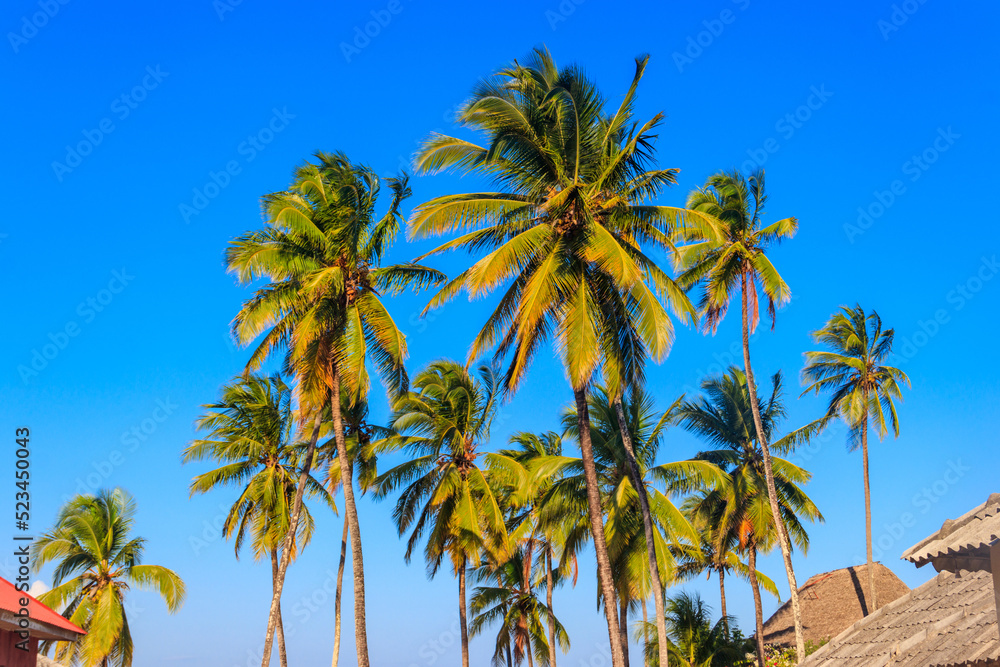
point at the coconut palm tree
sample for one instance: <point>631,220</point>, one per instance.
<point>514,603</point>
<point>250,433</point>
<point>736,259</point>
<point>863,389</point>
<point>627,545</point>
<point>694,641</point>
<point>98,561</point>
<point>723,416</point>
<point>564,235</point>
<point>522,486</point>
<point>321,249</point>
<point>719,551</point>
<point>443,423</point>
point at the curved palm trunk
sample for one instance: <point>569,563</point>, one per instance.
<point>647,527</point>
<point>623,628</point>
<point>548,603</point>
<point>872,602</point>
<point>757,607</point>
<point>722,596</point>
<point>461,615</point>
<point>286,551</point>
<point>351,515</point>
<point>279,631</point>
<point>772,493</point>
<point>340,589</point>
<point>597,528</point>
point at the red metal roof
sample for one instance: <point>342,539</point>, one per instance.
<point>10,601</point>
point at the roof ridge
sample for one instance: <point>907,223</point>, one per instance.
<point>951,525</point>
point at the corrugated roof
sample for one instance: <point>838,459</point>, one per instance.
<point>961,543</point>
<point>832,602</point>
<point>950,620</point>
<point>46,623</point>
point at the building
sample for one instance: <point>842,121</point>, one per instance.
<point>831,602</point>
<point>42,623</point>
<point>951,621</point>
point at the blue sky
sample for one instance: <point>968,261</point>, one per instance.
<point>140,138</point>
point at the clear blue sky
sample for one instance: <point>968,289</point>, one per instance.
<point>902,99</point>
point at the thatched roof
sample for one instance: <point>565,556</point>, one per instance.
<point>831,602</point>
<point>43,661</point>
<point>950,620</point>
<point>963,543</point>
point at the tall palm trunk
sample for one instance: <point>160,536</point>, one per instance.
<point>279,631</point>
<point>548,603</point>
<point>722,596</point>
<point>872,602</point>
<point>623,628</point>
<point>461,615</point>
<point>772,493</point>
<point>286,551</point>
<point>647,527</point>
<point>340,588</point>
<point>757,607</point>
<point>351,515</point>
<point>604,575</point>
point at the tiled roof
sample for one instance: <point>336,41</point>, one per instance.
<point>961,543</point>
<point>950,620</point>
<point>832,602</point>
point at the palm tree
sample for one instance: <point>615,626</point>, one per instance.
<point>522,486</point>
<point>564,235</point>
<point>863,389</point>
<point>719,551</point>
<point>737,259</point>
<point>627,545</point>
<point>99,561</point>
<point>321,249</point>
<point>723,417</point>
<point>443,423</point>
<point>694,641</point>
<point>515,605</point>
<point>250,434</point>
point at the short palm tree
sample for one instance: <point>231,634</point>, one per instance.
<point>863,389</point>
<point>522,486</point>
<point>736,259</point>
<point>723,416</point>
<point>250,434</point>
<point>720,550</point>
<point>564,235</point>
<point>514,604</point>
<point>627,544</point>
<point>694,641</point>
<point>321,249</point>
<point>98,562</point>
<point>445,496</point>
